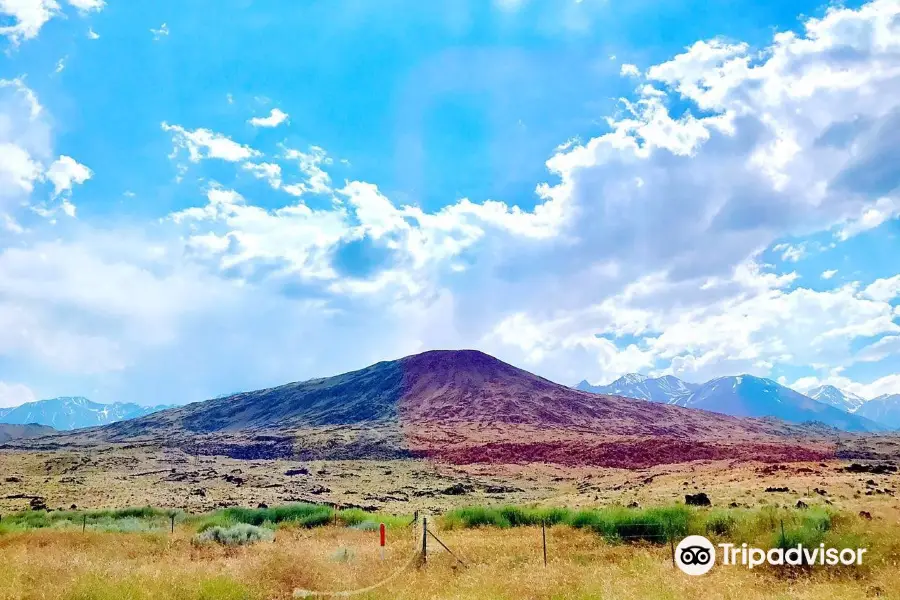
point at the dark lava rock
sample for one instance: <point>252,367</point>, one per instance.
<point>458,489</point>
<point>501,489</point>
<point>882,469</point>
<point>777,489</point>
<point>864,514</point>
<point>293,472</point>
<point>698,499</point>
<point>802,504</point>
<point>38,503</point>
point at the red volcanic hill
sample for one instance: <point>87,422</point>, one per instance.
<point>466,406</point>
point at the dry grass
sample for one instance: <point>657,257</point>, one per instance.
<point>502,564</point>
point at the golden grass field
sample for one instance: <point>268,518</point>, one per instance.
<point>57,564</point>
<point>501,564</point>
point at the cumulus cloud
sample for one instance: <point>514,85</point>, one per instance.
<point>270,172</point>
<point>311,164</point>
<point>24,142</point>
<point>276,117</point>
<point>18,171</point>
<point>829,273</point>
<point>87,5</point>
<point>28,17</point>
<point>66,172</point>
<point>629,70</point>
<point>203,144</point>
<point>14,394</point>
<point>658,192</point>
<point>634,216</point>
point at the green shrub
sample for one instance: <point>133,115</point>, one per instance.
<point>236,535</point>
<point>720,523</point>
<point>621,524</point>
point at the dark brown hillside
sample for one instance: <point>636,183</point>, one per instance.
<point>459,406</point>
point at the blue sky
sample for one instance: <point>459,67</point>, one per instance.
<point>199,198</point>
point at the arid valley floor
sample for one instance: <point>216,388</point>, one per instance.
<point>116,477</point>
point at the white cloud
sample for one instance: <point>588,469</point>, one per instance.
<point>87,5</point>
<point>203,143</point>
<point>883,290</point>
<point>66,172</point>
<point>702,208</point>
<point>714,334</point>
<point>268,171</point>
<point>276,117</point>
<point>889,384</point>
<point>629,70</point>
<point>299,238</point>
<point>790,252</point>
<point>93,35</point>
<point>18,171</point>
<point>878,351</point>
<point>160,33</point>
<point>28,17</point>
<point>14,394</point>
<point>317,181</point>
<point>24,141</point>
<point>829,274</point>
<point>870,217</point>
<point>81,307</point>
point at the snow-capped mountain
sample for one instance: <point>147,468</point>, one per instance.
<point>73,413</point>
<point>749,396</point>
<point>666,389</point>
<point>831,395</point>
<point>883,409</point>
<point>739,396</point>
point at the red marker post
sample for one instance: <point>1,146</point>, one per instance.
<point>383,540</point>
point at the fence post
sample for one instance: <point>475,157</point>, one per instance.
<point>672,542</point>
<point>424,539</point>
<point>83,522</point>
<point>544,536</point>
<point>172,519</point>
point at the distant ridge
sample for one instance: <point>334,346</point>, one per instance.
<point>19,432</point>
<point>883,409</point>
<point>746,396</point>
<point>73,412</point>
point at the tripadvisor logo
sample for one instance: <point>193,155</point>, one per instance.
<point>696,555</point>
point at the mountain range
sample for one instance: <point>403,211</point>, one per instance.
<point>68,413</point>
<point>883,409</point>
<point>746,396</point>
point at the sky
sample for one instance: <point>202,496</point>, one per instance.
<point>200,198</point>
